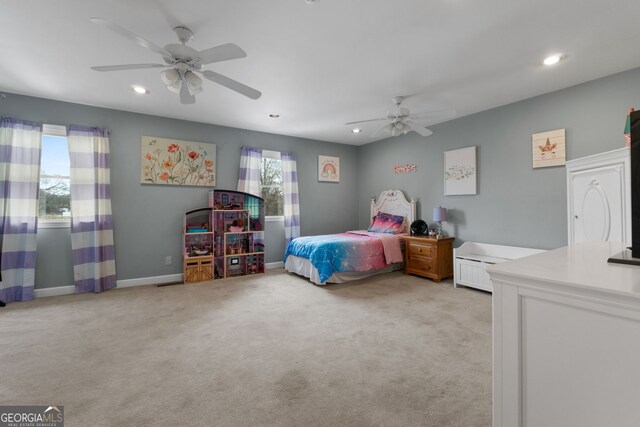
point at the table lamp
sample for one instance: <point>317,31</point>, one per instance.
<point>440,215</point>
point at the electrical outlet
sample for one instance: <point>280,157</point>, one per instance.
<point>167,260</point>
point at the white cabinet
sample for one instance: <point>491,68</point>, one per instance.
<point>599,197</point>
<point>566,339</point>
<point>472,259</point>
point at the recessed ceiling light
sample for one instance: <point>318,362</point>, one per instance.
<point>139,89</point>
<point>274,115</point>
<point>553,59</point>
<point>311,1</point>
<point>356,130</point>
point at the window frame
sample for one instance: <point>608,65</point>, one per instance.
<point>273,155</point>
<point>59,131</point>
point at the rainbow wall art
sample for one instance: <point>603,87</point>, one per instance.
<point>328,168</point>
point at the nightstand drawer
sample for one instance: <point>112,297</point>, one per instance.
<point>421,249</point>
<point>428,257</point>
<point>417,262</point>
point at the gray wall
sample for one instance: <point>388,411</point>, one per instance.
<point>516,204</point>
<point>148,219</point>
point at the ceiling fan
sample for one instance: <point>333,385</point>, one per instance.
<point>183,62</point>
<point>401,121</point>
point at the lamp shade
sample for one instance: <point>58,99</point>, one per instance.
<point>194,83</point>
<point>440,214</point>
<point>170,77</point>
<point>175,88</point>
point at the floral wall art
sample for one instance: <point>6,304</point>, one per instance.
<point>460,173</point>
<point>175,162</point>
<point>406,168</point>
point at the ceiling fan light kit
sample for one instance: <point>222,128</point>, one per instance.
<point>194,83</point>
<point>183,62</point>
<point>397,128</point>
<point>403,122</point>
<point>170,77</point>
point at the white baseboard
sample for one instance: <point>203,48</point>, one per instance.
<point>53,292</point>
<point>274,265</point>
<point>126,283</point>
<point>154,280</point>
<point>129,283</point>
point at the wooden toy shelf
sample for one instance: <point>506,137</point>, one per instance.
<point>225,239</point>
<point>198,245</point>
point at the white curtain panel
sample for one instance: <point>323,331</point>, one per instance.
<point>94,265</point>
<point>249,177</point>
<point>291,203</point>
<point>20,148</point>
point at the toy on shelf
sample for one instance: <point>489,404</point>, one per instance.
<point>238,233</point>
<point>627,129</point>
<point>198,245</point>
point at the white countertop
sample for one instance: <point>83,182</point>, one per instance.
<point>583,265</point>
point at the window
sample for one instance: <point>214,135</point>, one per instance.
<point>272,185</point>
<point>54,198</point>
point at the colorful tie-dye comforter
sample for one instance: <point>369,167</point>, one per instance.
<point>350,251</point>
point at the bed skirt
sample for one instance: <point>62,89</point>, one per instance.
<point>303,267</point>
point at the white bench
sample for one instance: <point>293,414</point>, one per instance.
<point>471,261</point>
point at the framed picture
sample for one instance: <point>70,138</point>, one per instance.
<point>460,172</point>
<point>548,148</point>
<point>176,162</point>
<point>328,169</point>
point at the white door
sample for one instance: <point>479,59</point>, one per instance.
<point>597,204</point>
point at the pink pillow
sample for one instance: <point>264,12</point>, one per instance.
<point>387,223</point>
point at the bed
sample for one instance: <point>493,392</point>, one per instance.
<point>353,255</point>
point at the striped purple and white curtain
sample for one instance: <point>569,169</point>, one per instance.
<point>249,179</point>
<point>94,265</point>
<point>20,146</point>
<point>291,204</point>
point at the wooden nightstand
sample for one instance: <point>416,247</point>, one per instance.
<point>428,257</point>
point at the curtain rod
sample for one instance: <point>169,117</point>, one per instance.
<point>272,151</point>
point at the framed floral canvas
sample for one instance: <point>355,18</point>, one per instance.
<point>460,174</point>
<point>176,162</point>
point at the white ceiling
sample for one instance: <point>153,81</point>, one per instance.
<point>319,65</point>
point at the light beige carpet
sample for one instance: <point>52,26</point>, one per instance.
<point>270,350</point>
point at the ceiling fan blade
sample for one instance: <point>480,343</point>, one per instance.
<point>232,84</point>
<point>365,121</point>
<point>380,129</point>
<point>435,116</point>
<point>131,36</point>
<point>221,53</point>
<point>185,95</point>
<point>127,67</point>
<point>418,127</point>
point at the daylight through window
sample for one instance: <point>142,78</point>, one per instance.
<point>54,198</point>
<point>272,185</point>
